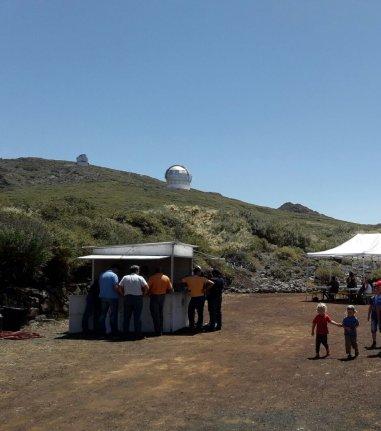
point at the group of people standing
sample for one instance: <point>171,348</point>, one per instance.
<point>104,295</point>
<point>349,323</point>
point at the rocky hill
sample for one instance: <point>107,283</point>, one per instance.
<point>49,209</point>
<point>298,208</point>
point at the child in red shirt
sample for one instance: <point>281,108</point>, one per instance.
<point>320,322</point>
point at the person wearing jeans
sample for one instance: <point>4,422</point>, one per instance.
<point>108,294</point>
<point>197,286</point>
<point>112,305</point>
<point>159,285</point>
<point>133,287</point>
<point>133,305</point>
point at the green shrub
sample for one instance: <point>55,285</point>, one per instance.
<point>376,274</point>
<point>147,223</point>
<point>241,257</point>
<point>68,206</point>
<point>25,248</point>
<point>279,233</point>
<point>288,253</point>
<point>282,270</point>
<point>325,270</point>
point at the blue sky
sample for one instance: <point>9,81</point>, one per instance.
<point>265,101</point>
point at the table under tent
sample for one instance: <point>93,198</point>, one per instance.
<point>363,247</point>
<point>175,259</point>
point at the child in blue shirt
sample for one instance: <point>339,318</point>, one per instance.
<point>350,324</point>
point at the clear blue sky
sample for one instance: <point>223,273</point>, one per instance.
<point>265,101</point>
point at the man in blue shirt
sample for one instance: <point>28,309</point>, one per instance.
<point>108,293</point>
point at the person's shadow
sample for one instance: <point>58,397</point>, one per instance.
<point>346,359</point>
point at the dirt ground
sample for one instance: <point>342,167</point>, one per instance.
<point>253,375</point>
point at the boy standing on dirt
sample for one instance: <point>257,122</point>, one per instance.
<point>320,322</point>
<point>350,324</point>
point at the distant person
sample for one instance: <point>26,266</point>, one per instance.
<point>333,288</point>
<point>351,284</point>
<point>366,289</point>
<point>214,298</point>
<point>159,285</point>
<point>108,293</point>
<point>374,313</point>
<point>133,287</point>
<point>196,287</point>
<point>350,324</point>
<point>320,323</point>
<point>93,306</point>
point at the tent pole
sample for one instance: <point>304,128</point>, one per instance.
<point>363,267</point>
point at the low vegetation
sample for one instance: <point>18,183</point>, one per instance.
<point>50,209</point>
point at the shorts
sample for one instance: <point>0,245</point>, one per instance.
<point>373,325</point>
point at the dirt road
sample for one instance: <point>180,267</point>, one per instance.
<point>253,375</point>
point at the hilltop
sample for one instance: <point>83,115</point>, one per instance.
<point>49,209</point>
<point>298,208</point>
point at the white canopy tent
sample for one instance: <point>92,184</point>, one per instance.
<point>362,245</point>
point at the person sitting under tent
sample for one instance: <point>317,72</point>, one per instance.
<point>333,288</point>
<point>365,291</point>
<point>351,284</point>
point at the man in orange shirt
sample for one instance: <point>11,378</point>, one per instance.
<point>159,285</point>
<point>197,286</point>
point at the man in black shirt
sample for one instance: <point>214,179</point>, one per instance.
<point>93,305</point>
<point>214,297</point>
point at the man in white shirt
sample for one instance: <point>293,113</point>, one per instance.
<point>133,287</point>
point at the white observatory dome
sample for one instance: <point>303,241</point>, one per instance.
<point>82,160</point>
<point>178,177</point>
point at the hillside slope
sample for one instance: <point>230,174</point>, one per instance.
<point>35,180</point>
<point>70,206</point>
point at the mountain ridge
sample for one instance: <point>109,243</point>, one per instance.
<point>26,171</point>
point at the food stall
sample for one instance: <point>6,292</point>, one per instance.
<point>176,261</point>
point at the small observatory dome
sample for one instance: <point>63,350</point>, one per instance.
<point>178,177</point>
<point>82,160</point>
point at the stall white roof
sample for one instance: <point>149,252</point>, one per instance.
<point>145,251</point>
<point>120,256</point>
<point>361,245</point>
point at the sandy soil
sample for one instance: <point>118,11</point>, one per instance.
<point>253,375</point>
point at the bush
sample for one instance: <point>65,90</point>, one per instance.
<point>288,253</point>
<point>241,257</point>
<point>68,206</point>
<point>282,271</point>
<point>147,223</point>
<point>25,248</point>
<point>325,270</point>
<point>376,274</point>
<point>278,233</point>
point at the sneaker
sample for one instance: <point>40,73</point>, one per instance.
<point>349,356</point>
<point>317,356</point>
<point>373,345</point>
